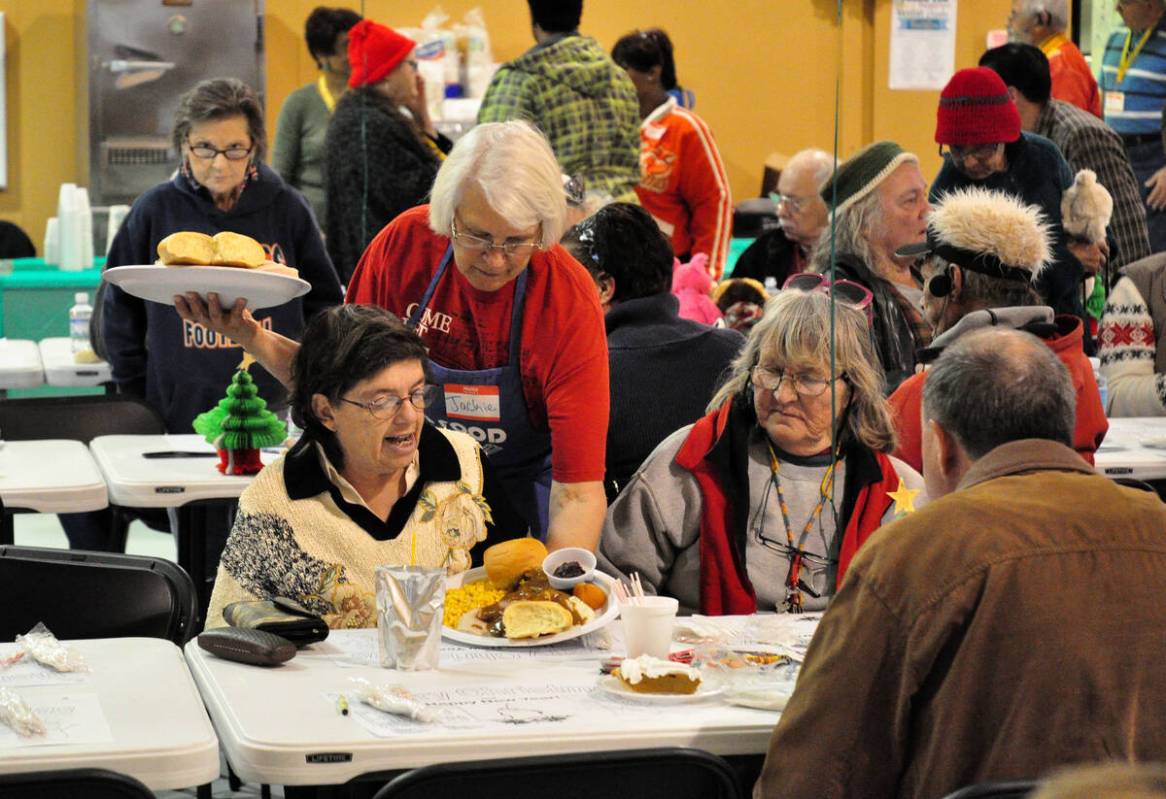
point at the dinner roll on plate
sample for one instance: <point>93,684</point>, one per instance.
<point>186,247</point>
<point>235,249</point>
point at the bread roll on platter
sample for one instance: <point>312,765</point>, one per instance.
<point>235,249</point>
<point>186,247</point>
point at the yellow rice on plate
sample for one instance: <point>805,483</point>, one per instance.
<point>471,596</point>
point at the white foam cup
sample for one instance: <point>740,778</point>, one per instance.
<point>647,626</point>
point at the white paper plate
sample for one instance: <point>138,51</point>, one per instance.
<point>161,283</point>
<point>603,617</point>
<point>611,684</point>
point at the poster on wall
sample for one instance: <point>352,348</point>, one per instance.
<point>3,113</point>
<point>922,43</point>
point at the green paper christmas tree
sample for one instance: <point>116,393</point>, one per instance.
<point>240,425</point>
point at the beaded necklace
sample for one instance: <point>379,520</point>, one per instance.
<point>793,595</point>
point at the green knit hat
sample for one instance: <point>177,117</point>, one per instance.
<point>863,173</point>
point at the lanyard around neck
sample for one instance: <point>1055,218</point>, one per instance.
<point>824,493</point>
<point>1128,58</point>
<point>329,100</point>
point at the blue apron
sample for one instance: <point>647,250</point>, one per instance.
<point>489,405</point>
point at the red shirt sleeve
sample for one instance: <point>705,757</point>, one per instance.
<point>705,188</point>
<point>565,352</point>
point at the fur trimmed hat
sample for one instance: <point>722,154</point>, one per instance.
<point>375,50</point>
<point>862,173</point>
<point>974,108</point>
<point>990,232</point>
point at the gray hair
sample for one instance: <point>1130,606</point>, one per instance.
<point>992,292</point>
<point>820,161</point>
<point>995,386</point>
<point>985,291</point>
<point>1058,11</point>
<point>221,98</point>
<point>342,346</point>
<point>796,325</point>
<point>854,228</point>
<point>515,168</point>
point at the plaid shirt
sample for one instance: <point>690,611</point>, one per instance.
<point>1088,143</point>
<point>583,102</point>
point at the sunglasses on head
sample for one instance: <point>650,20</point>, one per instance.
<point>847,292</point>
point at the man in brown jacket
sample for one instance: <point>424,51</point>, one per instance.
<point>1012,625</point>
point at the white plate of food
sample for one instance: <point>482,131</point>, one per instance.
<point>612,685</point>
<point>157,283</point>
<point>481,636</point>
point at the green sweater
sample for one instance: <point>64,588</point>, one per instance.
<point>298,154</point>
<point>583,102</point>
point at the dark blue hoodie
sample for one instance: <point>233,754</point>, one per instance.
<point>183,369</point>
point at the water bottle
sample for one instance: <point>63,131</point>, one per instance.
<point>79,316</point>
<point>1102,383</point>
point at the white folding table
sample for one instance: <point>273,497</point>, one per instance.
<point>281,725</point>
<point>48,476</point>
<point>1134,447</point>
<point>188,484</point>
<point>20,364</point>
<point>158,728</point>
<point>61,370</point>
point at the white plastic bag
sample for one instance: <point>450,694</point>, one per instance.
<point>390,698</point>
<point>48,651</point>
<point>477,59</point>
<point>17,714</point>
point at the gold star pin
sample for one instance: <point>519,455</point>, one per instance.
<point>904,498</point>
<point>245,365</point>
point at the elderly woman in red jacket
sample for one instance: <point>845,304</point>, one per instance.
<point>764,501</point>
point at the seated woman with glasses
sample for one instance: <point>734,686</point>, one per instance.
<point>512,323</point>
<point>763,502</point>
<point>370,482</point>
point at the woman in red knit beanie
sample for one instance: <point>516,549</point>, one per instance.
<point>980,125</point>
<point>382,149</point>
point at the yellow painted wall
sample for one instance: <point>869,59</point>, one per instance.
<point>763,72</point>
<point>909,116</point>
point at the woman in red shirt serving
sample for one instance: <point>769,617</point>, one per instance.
<point>514,329</point>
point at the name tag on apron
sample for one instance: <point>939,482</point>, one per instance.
<point>473,403</point>
<point>1115,102</point>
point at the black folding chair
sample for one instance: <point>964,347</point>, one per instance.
<point>81,783</point>
<point>82,418</point>
<point>666,773</point>
<point>94,595</point>
<point>1013,789</point>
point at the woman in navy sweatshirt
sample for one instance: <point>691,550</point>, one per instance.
<point>181,368</point>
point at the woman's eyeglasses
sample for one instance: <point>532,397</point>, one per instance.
<point>386,407</point>
<point>477,244</point>
<point>207,153</point>
<point>806,385</point>
<point>847,292</point>
<point>979,152</point>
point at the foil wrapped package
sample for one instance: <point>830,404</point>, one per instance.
<point>410,601</point>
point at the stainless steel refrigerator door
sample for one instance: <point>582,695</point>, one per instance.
<point>142,56</point>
